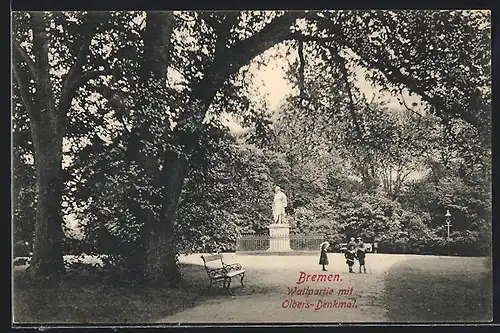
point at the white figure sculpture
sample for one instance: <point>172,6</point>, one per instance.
<point>279,204</point>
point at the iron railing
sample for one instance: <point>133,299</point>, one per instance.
<point>253,243</point>
<point>297,242</point>
<point>305,242</point>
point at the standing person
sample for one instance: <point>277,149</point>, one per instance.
<point>350,255</point>
<point>352,242</point>
<point>360,244</point>
<point>360,254</point>
<point>323,257</point>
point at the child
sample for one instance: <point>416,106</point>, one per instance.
<point>352,242</point>
<point>323,258</point>
<point>350,255</point>
<point>360,254</point>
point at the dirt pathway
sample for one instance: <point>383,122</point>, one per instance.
<point>266,298</point>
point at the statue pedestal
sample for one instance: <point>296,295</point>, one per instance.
<point>279,240</point>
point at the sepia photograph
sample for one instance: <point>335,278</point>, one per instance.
<point>251,167</point>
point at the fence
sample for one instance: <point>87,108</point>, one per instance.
<point>253,243</point>
<point>305,242</point>
<point>297,242</point>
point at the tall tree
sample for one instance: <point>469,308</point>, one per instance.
<point>47,120</point>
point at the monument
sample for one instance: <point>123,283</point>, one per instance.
<point>279,230</point>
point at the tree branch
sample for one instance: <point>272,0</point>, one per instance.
<point>345,76</point>
<point>308,38</point>
<point>300,52</point>
<point>22,83</point>
<point>81,58</point>
<point>229,61</point>
<point>83,78</point>
<point>72,86</point>
<point>75,77</point>
<point>31,65</point>
<point>69,86</point>
<point>405,105</point>
<point>90,29</point>
<point>395,76</point>
<point>276,31</point>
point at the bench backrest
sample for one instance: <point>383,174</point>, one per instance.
<point>212,257</point>
<point>209,261</point>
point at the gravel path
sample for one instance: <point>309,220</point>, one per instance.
<point>265,295</point>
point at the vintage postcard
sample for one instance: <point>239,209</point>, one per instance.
<point>270,167</point>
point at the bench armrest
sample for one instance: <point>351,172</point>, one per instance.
<point>214,272</point>
<point>233,267</point>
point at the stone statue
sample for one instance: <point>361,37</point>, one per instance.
<point>279,204</point>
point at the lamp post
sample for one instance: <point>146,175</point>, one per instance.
<point>448,222</point>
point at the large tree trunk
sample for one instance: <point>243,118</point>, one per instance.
<point>45,123</point>
<point>162,251</point>
<point>160,265</point>
<point>47,253</point>
<point>161,246</point>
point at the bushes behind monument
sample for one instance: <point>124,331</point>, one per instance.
<point>461,243</point>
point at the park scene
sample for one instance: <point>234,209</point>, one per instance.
<point>213,167</point>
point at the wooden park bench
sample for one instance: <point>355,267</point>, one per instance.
<point>223,273</point>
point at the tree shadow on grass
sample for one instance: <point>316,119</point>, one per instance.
<point>87,300</point>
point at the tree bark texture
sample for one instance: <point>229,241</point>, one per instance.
<point>160,265</point>
<point>45,123</point>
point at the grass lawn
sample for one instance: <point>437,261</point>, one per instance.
<point>439,290</point>
<point>90,302</point>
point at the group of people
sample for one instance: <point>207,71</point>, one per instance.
<point>355,251</point>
